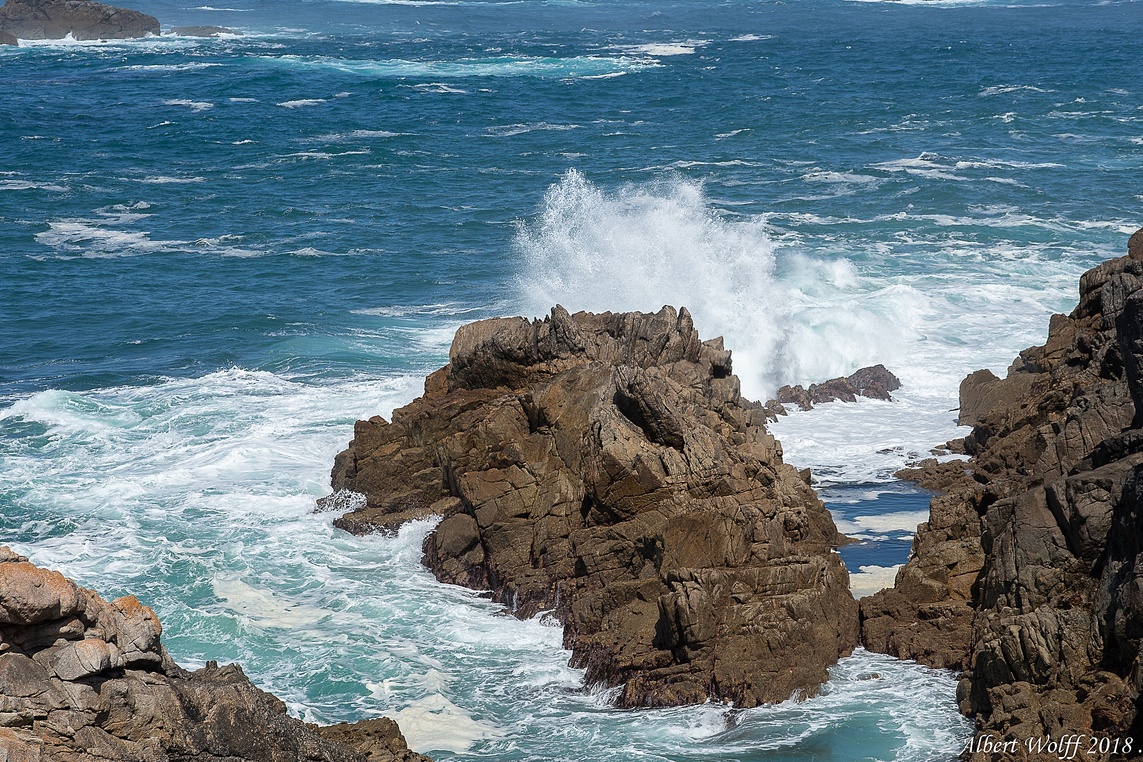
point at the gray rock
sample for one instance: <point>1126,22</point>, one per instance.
<point>83,19</point>
<point>201,31</point>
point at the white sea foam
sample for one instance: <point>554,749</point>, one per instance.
<point>511,130</point>
<point>192,105</point>
<point>664,49</point>
<point>434,723</point>
<point>880,524</point>
<point>302,102</point>
<point>496,66</point>
<point>261,608</point>
<point>168,180</point>
<point>15,185</point>
<point>872,579</point>
<point>91,238</point>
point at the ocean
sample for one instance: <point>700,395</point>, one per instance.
<point>216,254</point>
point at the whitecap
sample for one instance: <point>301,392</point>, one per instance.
<point>302,102</point>
<point>192,105</point>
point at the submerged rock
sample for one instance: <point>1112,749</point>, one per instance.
<point>874,382</point>
<point>607,467</point>
<point>84,679</point>
<point>1026,574</point>
<point>82,19</point>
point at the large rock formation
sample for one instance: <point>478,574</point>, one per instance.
<point>82,19</point>
<point>87,680</point>
<point>1028,571</point>
<point>606,467</point>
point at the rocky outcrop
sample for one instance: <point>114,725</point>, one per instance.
<point>8,39</point>
<point>874,382</point>
<point>606,468</point>
<point>82,19</point>
<point>1026,573</point>
<point>87,680</point>
<point>201,31</point>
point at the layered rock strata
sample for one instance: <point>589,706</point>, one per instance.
<point>82,19</point>
<point>1027,573</point>
<point>87,680</point>
<point>606,467</point>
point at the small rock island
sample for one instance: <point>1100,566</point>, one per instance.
<point>606,468</point>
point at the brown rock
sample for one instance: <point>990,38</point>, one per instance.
<point>379,739</point>
<point>607,468</point>
<point>85,680</point>
<point>83,19</point>
<point>1026,573</point>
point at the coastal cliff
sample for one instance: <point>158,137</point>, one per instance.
<point>1027,573</point>
<point>84,679</point>
<point>606,468</point>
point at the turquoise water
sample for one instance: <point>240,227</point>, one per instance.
<point>215,255</point>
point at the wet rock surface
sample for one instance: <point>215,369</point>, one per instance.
<point>1026,574</point>
<point>84,679</point>
<point>606,467</point>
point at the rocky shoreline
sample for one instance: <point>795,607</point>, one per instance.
<point>84,680</point>
<point>1026,576</point>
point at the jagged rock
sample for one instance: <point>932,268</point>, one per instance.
<point>83,19</point>
<point>201,31</point>
<point>7,38</point>
<point>379,739</point>
<point>606,467</point>
<point>87,680</point>
<point>874,382</point>
<point>1026,572</point>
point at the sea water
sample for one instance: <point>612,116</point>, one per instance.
<point>216,254</point>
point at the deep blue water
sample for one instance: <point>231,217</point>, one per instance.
<point>216,254</point>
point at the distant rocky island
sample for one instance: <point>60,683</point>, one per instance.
<point>83,20</point>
